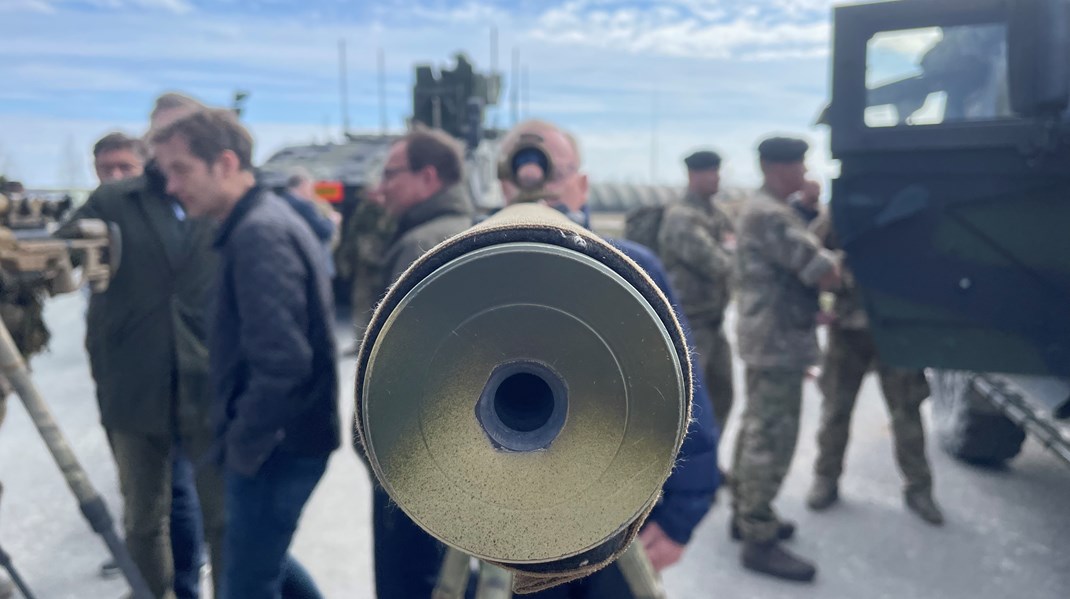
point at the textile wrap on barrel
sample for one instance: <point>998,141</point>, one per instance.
<point>526,286</point>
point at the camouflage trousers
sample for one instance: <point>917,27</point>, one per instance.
<point>850,355</point>
<point>769,428</point>
<point>715,359</point>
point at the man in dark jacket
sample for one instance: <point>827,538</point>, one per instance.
<point>421,187</point>
<point>689,491</point>
<point>146,338</point>
<point>272,351</point>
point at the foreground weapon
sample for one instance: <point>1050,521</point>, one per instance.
<point>31,258</point>
<point>522,393</point>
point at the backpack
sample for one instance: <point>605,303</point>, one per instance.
<point>642,225</point>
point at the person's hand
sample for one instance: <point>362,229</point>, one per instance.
<point>728,241</point>
<point>810,193</point>
<point>831,280</point>
<point>660,549</point>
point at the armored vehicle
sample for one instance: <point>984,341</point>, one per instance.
<point>949,121</point>
<point>454,100</point>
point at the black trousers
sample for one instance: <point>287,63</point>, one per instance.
<point>407,559</point>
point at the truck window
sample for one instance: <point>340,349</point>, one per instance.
<point>935,75</point>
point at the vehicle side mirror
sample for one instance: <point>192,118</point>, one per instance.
<point>1038,55</point>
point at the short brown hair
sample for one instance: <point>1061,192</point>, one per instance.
<point>172,100</point>
<point>435,147</point>
<point>209,133</point>
<point>120,141</point>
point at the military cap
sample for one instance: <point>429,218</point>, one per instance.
<point>703,160</point>
<point>782,149</point>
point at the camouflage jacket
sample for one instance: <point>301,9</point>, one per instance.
<point>779,265</point>
<point>367,232</point>
<point>699,267</point>
<point>847,308</point>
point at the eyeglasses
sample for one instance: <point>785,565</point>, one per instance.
<point>390,173</point>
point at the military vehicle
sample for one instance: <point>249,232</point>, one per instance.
<point>454,100</point>
<point>949,121</point>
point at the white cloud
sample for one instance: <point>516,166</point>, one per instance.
<point>52,6</point>
<point>172,6</point>
<point>469,12</point>
<point>34,148</point>
<point>35,6</point>
<point>594,67</point>
<point>711,33</point>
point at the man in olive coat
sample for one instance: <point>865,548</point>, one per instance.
<point>146,338</point>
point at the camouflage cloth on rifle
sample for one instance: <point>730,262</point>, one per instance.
<point>21,307</point>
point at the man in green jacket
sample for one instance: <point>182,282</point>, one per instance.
<point>146,341</point>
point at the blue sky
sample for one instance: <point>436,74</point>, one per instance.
<point>626,76</point>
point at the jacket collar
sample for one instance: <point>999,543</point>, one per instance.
<point>242,208</point>
<point>446,201</point>
<point>693,199</point>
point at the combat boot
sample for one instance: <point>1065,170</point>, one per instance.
<point>922,504</point>
<point>824,492</point>
<point>785,530</point>
<point>772,559</point>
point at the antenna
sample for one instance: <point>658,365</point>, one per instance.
<point>344,88</point>
<point>525,90</point>
<point>382,92</point>
<point>515,85</point>
<point>654,138</point>
<point>494,49</point>
<point>494,65</point>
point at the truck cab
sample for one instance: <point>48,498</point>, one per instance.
<point>949,120</point>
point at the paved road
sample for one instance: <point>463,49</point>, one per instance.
<point>1006,535</point>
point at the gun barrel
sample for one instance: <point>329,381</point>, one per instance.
<point>522,392</point>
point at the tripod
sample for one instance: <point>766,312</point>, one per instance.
<point>496,582</point>
<point>20,584</point>
<point>13,368</point>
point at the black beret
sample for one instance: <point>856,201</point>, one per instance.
<point>703,160</point>
<point>783,149</point>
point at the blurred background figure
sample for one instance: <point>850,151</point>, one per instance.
<point>300,194</point>
<point>118,156</point>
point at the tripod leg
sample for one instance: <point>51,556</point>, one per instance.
<point>20,584</point>
<point>639,573</point>
<point>13,367</point>
<point>494,582</point>
<point>453,577</point>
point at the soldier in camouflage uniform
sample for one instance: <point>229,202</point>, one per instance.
<point>851,353</point>
<point>694,244</point>
<point>360,257</point>
<point>781,268</point>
